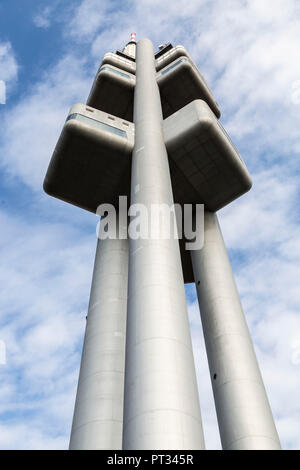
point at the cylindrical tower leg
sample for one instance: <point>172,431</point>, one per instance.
<point>243,411</point>
<point>98,415</point>
<point>161,407</point>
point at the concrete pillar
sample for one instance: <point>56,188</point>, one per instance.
<point>98,415</point>
<point>161,404</point>
<point>244,414</point>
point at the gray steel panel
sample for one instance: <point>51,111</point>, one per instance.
<point>181,83</point>
<point>205,156</point>
<point>91,165</point>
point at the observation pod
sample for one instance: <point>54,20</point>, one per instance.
<point>180,82</point>
<point>168,54</point>
<point>91,161</point>
<point>112,92</point>
<point>211,169</point>
<point>123,62</point>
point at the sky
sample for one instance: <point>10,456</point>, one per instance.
<point>248,51</point>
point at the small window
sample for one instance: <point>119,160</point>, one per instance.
<point>174,65</point>
<point>100,125</point>
<point>125,75</point>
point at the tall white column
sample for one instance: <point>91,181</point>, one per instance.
<point>161,404</point>
<point>98,415</point>
<point>243,411</point>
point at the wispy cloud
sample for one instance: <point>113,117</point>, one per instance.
<point>42,323</point>
<point>8,70</point>
<point>89,17</point>
<point>45,16</point>
<point>248,51</point>
<point>32,127</point>
<point>42,19</point>
<point>8,63</point>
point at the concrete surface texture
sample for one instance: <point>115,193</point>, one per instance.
<point>244,415</point>
<point>98,415</point>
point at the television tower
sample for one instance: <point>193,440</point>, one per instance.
<point>150,131</point>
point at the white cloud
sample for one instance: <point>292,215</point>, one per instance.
<point>2,92</point>
<point>8,63</point>
<point>254,65</point>
<point>265,215</point>
<point>42,19</point>
<point>248,50</point>
<point>16,437</point>
<point>89,17</point>
<point>45,16</point>
<point>32,127</point>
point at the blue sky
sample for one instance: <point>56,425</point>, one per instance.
<point>49,52</point>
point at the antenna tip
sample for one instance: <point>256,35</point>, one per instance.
<point>133,36</point>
